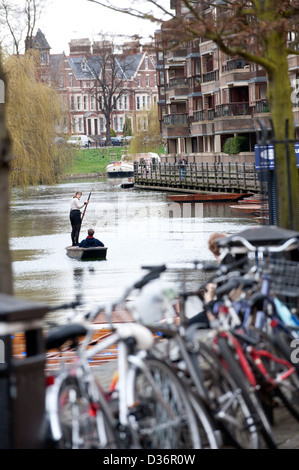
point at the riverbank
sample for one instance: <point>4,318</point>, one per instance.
<point>71,177</point>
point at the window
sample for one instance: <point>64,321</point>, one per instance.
<point>120,102</point>
<point>138,81</point>
<point>80,127</point>
<point>72,102</point>
<point>121,123</point>
<point>92,103</point>
<point>44,58</point>
<point>148,102</point>
<point>146,63</point>
<point>115,124</point>
<point>114,102</point>
<point>70,80</point>
<point>147,80</point>
<point>85,102</point>
<point>78,103</point>
<point>161,78</point>
<point>61,81</point>
<point>125,102</point>
<point>101,125</point>
<point>137,102</point>
<point>143,102</point>
<point>160,55</point>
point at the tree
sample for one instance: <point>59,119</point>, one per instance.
<point>5,256</point>
<point>111,73</point>
<point>147,138</point>
<point>264,32</point>
<point>19,22</point>
<point>32,115</point>
<point>127,129</point>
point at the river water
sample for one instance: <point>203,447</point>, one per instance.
<point>139,227</point>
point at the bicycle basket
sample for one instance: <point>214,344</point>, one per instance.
<point>284,278</point>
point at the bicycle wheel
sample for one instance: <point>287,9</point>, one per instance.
<point>257,412</point>
<point>287,389</point>
<point>82,422</point>
<point>163,415</point>
<point>226,400</point>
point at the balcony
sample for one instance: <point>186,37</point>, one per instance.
<point>232,109</point>
<point>233,65</point>
<point>210,76</point>
<point>176,120</point>
<point>176,55</point>
<point>204,115</point>
<point>262,106</point>
<point>177,83</point>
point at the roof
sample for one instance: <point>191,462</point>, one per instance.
<point>39,41</point>
<point>55,60</point>
<point>127,66</point>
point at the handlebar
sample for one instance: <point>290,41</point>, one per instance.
<point>67,306</point>
<point>262,249</point>
<point>233,284</point>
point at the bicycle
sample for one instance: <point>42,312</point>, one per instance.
<point>196,363</point>
<point>263,325</point>
<point>148,408</point>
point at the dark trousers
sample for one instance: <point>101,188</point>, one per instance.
<point>75,218</point>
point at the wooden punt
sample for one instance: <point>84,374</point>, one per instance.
<point>208,197</point>
<point>87,254</point>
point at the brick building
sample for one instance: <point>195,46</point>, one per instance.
<point>77,77</point>
<point>206,96</point>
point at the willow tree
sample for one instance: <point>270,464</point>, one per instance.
<point>33,113</point>
<point>264,32</point>
<point>6,286</point>
<point>147,137</point>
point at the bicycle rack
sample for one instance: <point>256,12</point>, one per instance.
<point>22,380</point>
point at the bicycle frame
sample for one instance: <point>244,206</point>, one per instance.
<point>256,355</point>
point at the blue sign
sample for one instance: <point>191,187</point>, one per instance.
<point>264,157</point>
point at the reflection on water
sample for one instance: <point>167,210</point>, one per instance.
<point>139,227</point>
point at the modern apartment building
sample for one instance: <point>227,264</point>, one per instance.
<point>206,96</point>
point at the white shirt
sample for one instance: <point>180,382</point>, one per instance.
<point>76,204</point>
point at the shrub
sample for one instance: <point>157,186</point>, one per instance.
<point>234,145</point>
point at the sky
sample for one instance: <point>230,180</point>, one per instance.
<point>63,20</point>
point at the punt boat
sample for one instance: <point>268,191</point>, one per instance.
<point>87,254</point>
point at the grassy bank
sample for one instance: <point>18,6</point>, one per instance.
<point>92,160</point>
<point>95,160</point>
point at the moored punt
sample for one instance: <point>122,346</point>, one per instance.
<point>207,197</point>
<point>87,254</point>
<point>254,209</point>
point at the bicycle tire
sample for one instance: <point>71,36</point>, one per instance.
<point>286,390</point>
<point>249,394</point>
<point>283,341</point>
<point>83,424</point>
<point>164,417</point>
<point>226,400</point>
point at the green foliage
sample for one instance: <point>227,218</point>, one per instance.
<point>33,113</point>
<point>88,161</point>
<point>148,137</point>
<point>127,129</point>
<point>113,133</point>
<point>234,145</point>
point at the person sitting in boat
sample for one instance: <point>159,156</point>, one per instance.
<point>90,241</point>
